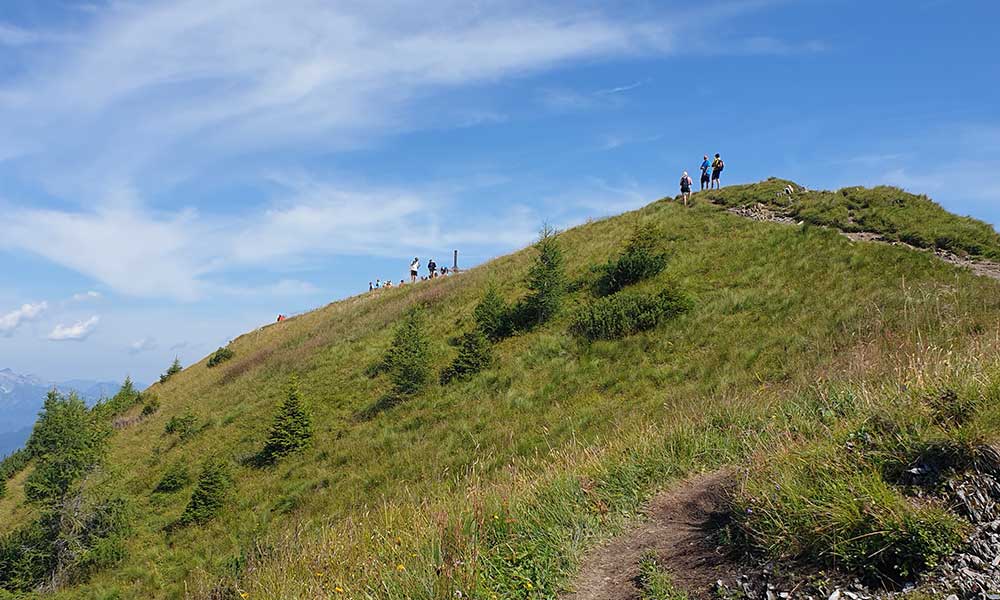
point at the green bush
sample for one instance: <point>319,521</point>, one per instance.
<point>546,282</point>
<point>69,540</point>
<point>151,404</point>
<point>184,425</point>
<point>474,355</point>
<point>638,261</point>
<point>210,494</point>
<point>174,369</point>
<point>126,398</point>
<point>493,315</point>
<point>220,356</point>
<point>626,313</point>
<point>291,430</point>
<point>174,478</point>
<point>27,555</point>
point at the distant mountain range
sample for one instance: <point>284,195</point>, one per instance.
<point>21,397</point>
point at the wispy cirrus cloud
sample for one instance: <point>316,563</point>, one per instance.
<point>162,87</point>
<point>76,332</point>
<point>10,321</point>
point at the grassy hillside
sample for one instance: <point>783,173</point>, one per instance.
<point>494,485</point>
<point>891,213</point>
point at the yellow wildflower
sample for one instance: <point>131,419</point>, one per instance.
<point>400,567</point>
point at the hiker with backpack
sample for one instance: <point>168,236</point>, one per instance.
<point>414,267</point>
<point>705,166</point>
<point>686,184</point>
<point>432,269</point>
<point>717,166</point>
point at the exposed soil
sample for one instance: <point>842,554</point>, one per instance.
<point>678,527</point>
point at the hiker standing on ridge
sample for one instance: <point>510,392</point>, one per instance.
<point>717,166</point>
<point>414,267</point>
<point>705,166</point>
<point>431,269</point>
<point>686,184</point>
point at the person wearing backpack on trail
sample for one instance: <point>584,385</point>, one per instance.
<point>706,165</point>
<point>686,183</point>
<point>432,269</point>
<point>414,267</point>
<point>717,166</point>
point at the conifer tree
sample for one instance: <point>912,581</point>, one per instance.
<point>409,367</point>
<point>493,315</point>
<point>474,354</point>
<point>546,280</point>
<point>292,427</point>
<point>210,493</point>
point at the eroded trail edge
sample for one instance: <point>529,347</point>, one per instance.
<point>764,213</point>
<point>676,528</point>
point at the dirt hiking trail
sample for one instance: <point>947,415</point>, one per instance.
<point>760,212</point>
<point>678,528</point>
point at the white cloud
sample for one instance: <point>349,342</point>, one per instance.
<point>163,88</point>
<point>133,252</point>
<point>83,296</point>
<point>142,345</point>
<point>75,332</point>
<point>27,312</point>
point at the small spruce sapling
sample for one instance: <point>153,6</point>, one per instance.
<point>292,428</point>
<point>546,280</point>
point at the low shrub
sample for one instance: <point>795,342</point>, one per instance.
<point>626,313</point>
<point>641,259</point>
<point>174,478</point>
<point>150,404</point>
<point>220,356</point>
<point>474,355</point>
<point>210,494</point>
<point>184,425</point>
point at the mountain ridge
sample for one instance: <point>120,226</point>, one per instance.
<point>497,483</point>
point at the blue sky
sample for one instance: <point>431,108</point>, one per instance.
<point>175,173</point>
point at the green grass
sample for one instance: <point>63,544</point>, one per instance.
<point>496,484</point>
<point>845,497</point>
<point>656,584</point>
<point>890,212</point>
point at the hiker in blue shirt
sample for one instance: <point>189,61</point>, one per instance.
<point>705,166</point>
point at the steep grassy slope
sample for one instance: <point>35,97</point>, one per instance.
<point>494,485</point>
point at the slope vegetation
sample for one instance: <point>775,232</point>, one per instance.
<point>493,484</point>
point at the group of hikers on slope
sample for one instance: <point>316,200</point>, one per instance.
<point>432,273</point>
<point>714,166</point>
